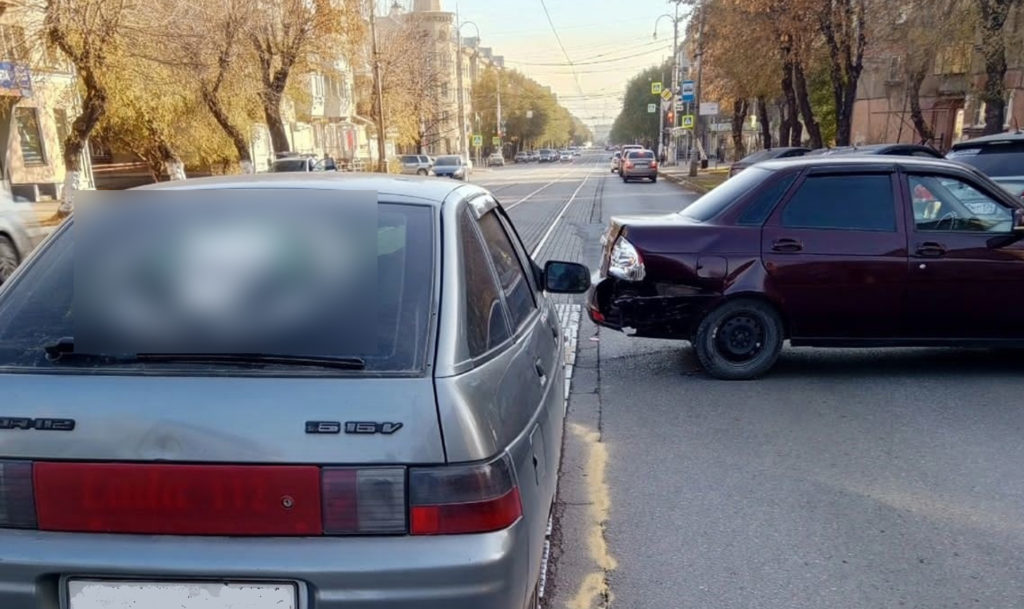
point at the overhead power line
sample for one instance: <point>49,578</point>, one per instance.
<point>590,63</point>
<point>558,38</point>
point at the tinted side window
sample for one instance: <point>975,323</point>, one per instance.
<point>486,326</point>
<point>851,202</point>
<point>510,272</point>
<point>761,206</point>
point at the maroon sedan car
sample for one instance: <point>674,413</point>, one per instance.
<point>826,252</point>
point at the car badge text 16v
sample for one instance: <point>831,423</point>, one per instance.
<point>355,427</point>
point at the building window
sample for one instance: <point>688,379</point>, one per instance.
<point>60,118</point>
<point>895,68</point>
<point>32,151</point>
<point>12,41</point>
<point>953,60</point>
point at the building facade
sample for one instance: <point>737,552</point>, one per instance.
<point>38,101</point>
<point>949,99</point>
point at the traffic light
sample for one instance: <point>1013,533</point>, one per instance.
<point>671,118</point>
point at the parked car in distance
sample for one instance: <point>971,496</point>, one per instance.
<point>289,164</point>
<point>639,164</point>
<point>522,157</point>
<point>548,155</point>
<point>626,148</point>
<point>1000,157</point>
<point>853,251</point>
<point>534,156</point>
<point>565,156</point>
<point>880,149</point>
<point>616,161</point>
<point>495,160</point>
<point>766,155</point>
<point>424,450</point>
<point>416,164</point>
<point>20,231</point>
<point>452,166</point>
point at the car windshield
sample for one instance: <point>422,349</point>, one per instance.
<point>994,160</point>
<point>448,160</point>
<point>287,165</point>
<point>721,198</point>
<point>43,308</point>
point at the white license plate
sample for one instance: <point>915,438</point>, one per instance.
<point>95,594</point>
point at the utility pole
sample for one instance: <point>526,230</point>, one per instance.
<point>499,129</point>
<point>698,127</point>
<point>675,79</point>
<point>463,144</point>
<point>382,165</point>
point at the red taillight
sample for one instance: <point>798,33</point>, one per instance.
<point>366,501</point>
<point>178,499</point>
<point>17,505</point>
<point>463,499</point>
<point>654,164</point>
<point>595,315</point>
<point>629,165</point>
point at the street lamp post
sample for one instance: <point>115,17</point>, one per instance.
<point>675,19</point>
<point>698,127</point>
<point>463,134</point>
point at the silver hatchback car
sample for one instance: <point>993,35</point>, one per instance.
<point>416,471</point>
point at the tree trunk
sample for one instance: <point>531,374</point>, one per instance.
<point>271,101</point>
<point>993,18</point>
<point>235,134</point>
<point>804,102</point>
<point>94,106</point>
<point>844,30</point>
<point>784,125</point>
<point>740,107</point>
<point>792,121</point>
<point>762,119</point>
<point>914,81</point>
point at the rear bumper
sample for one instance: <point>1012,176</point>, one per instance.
<point>639,173</point>
<point>640,310</point>
<point>444,572</point>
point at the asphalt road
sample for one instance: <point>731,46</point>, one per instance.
<point>845,479</point>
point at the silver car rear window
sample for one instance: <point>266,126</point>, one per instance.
<point>38,309</point>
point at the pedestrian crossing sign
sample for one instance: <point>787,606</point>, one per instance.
<point>496,141</point>
<point>656,88</point>
<point>478,140</point>
<point>687,121</point>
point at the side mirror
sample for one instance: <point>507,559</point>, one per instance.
<point>566,278</point>
<point>1018,220</point>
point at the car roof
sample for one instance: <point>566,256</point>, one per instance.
<point>856,160</point>
<point>429,190</point>
<point>990,139</point>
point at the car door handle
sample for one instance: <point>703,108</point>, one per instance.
<point>787,245</point>
<point>931,249</point>
<point>538,366</point>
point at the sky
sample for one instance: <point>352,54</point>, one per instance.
<point>609,41</point>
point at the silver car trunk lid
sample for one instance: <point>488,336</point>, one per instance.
<point>220,419</point>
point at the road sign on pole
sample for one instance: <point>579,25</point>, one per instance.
<point>496,141</point>
<point>656,88</point>
<point>666,95</point>
<point>688,91</point>
<point>687,121</point>
<point>652,108</point>
<point>709,108</point>
<point>478,140</point>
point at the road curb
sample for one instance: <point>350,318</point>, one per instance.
<point>684,182</point>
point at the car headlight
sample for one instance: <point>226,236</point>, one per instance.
<point>625,261</point>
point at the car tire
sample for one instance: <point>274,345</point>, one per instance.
<point>421,172</point>
<point>654,180</point>
<point>9,258</point>
<point>739,340</point>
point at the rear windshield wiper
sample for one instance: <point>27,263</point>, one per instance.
<point>64,350</point>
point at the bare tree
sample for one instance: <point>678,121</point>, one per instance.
<point>993,50</point>
<point>843,23</point>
